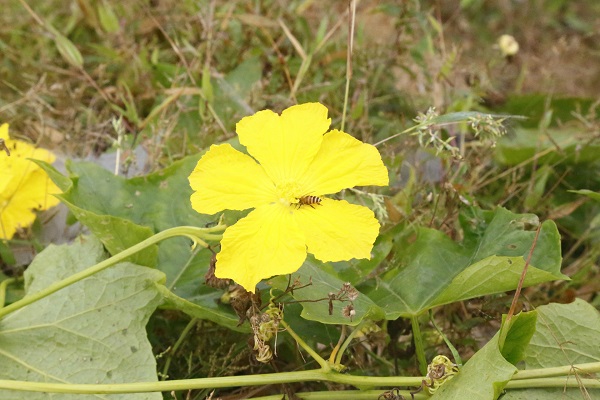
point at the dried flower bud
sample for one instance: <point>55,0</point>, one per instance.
<point>263,351</point>
<point>349,311</point>
<point>350,292</point>
<point>439,371</point>
<point>210,279</point>
<point>241,300</point>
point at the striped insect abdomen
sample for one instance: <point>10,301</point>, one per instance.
<point>309,201</point>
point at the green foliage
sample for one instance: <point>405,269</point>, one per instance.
<point>589,193</point>
<point>92,331</point>
<point>486,374</point>
<point>325,281</point>
<point>565,334</point>
<point>123,212</point>
<point>534,108</point>
<point>489,261</point>
<point>551,146</point>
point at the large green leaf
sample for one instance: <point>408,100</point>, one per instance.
<point>122,212</point>
<point>117,233</point>
<point>486,374</point>
<point>93,331</point>
<point>565,334</point>
<point>434,270</point>
<point>323,281</point>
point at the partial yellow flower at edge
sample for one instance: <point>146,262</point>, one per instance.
<point>293,156</point>
<point>24,187</point>
<point>21,149</point>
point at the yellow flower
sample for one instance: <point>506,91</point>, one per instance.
<point>24,187</point>
<point>292,157</point>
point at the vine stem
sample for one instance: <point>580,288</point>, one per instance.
<point>515,299</point>
<point>345,395</point>
<point>338,358</point>
<point>325,367</point>
<point>558,382</point>
<point>277,378</point>
<point>3,285</point>
<point>419,347</point>
<point>178,344</point>
<point>194,233</point>
<point>587,368</point>
<point>208,383</point>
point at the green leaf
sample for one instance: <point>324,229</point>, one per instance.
<point>519,332</point>
<point>63,182</point>
<point>565,334</point>
<point>588,193</point>
<point>536,106</point>
<point>537,190</point>
<point>107,17</point>
<point>207,88</point>
<point>552,146</point>
<point>122,212</point>
<point>93,331</point>
<point>491,275</point>
<point>205,305</point>
<point>231,93</point>
<point>68,50</point>
<point>324,281</point>
<point>433,270</point>
<point>485,375</point>
<point>116,233</point>
<point>310,331</point>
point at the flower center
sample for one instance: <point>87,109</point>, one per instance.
<point>287,193</point>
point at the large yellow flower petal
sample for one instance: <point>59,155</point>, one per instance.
<point>337,230</point>
<point>7,176</point>
<point>12,219</point>
<point>285,145</point>
<point>15,171</point>
<point>344,162</point>
<point>17,207</point>
<point>225,178</point>
<point>266,242</point>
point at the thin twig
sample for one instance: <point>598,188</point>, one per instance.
<point>513,306</point>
